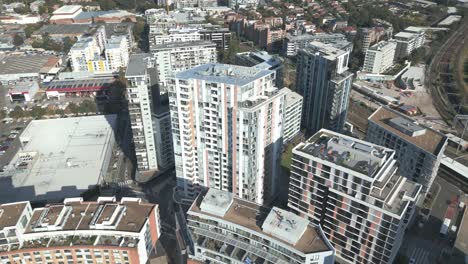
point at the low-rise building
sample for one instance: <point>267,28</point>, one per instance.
<point>379,57</point>
<point>418,149</point>
<point>78,87</point>
<point>59,158</point>
<point>77,231</point>
<point>22,92</point>
<point>19,68</point>
<point>227,229</point>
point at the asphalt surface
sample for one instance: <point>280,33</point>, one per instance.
<point>425,244</point>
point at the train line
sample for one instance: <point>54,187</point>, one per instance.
<point>439,75</point>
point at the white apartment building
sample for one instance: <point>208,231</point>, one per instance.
<point>171,58</point>
<point>352,189</point>
<point>140,108</point>
<point>175,35</point>
<point>418,149</point>
<point>242,3</point>
<point>97,54</point>
<point>408,41</point>
<point>88,49</point>
<point>116,53</point>
<point>380,57</point>
<point>76,231</point>
<point>14,218</point>
<point>227,126</point>
<point>292,43</point>
<point>292,115</point>
<point>227,229</point>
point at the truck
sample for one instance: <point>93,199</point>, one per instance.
<point>445,226</point>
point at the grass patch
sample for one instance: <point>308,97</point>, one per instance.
<point>286,157</point>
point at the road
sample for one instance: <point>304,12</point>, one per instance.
<point>426,244</point>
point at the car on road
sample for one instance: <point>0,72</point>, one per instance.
<point>3,149</point>
<point>412,261</point>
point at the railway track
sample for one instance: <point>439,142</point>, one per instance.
<point>439,75</point>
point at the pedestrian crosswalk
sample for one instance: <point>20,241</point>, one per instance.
<point>420,256</point>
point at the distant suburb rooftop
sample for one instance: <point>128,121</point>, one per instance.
<point>410,131</point>
<point>224,73</point>
<point>275,223</point>
<point>358,155</point>
<point>59,158</point>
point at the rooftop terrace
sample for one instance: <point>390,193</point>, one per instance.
<point>224,73</point>
<point>127,215</point>
<point>273,222</point>
<point>407,129</point>
<point>10,213</point>
<point>348,152</point>
<point>328,51</point>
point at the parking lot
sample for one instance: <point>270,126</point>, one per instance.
<point>9,140</point>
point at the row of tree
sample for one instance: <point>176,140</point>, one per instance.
<point>85,107</point>
<point>47,43</point>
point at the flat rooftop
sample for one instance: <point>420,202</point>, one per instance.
<point>224,73</point>
<point>67,9</point>
<point>358,155</point>
<point>66,29</point>
<point>382,44</point>
<point>17,64</point>
<point>10,214</point>
<point>430,141</point>
<point>405,35</point>
<point>137,64</point>
<point>276,223</point>
<point>59,158</point>
<point>80,85</point>
<point>327,50</point>
<point>292,97</point>
<point>127,215</point>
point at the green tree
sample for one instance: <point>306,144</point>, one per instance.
<point>67,44</point>
<point>234,48</point>
<point>3,114</point>
<point>140,33</point>
<point>23,10</point>
<point>18,40</point>
<point>42,9</point>
<point>107,4</point>
<point>417,56</point>
<point>60,112</point>
<point>87,106</point>
<point>30,28</point>
<point>17,112</point>
<point>72,108</point>
<point>37,112</point>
